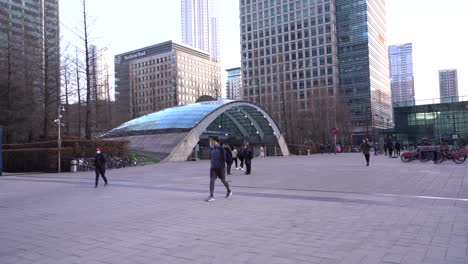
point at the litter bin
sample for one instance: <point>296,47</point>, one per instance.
<point>73,166</point>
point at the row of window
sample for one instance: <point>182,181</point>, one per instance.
<point>150,62</point>
<point>246,6</point>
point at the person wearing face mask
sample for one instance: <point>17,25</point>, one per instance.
<point>218,167</point>
<point>100,165</point>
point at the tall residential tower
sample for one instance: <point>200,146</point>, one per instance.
<point>401,72</point>
<point>448,85</point>
<point>200,26</point>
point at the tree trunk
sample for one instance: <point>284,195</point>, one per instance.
<point>88,85</point>
<point>78,89</point>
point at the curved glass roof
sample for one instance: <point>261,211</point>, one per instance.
<point>185,116</point>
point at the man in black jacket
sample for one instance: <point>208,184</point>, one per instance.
<point>218,167</point>
<point>248,156</point>
<point>100,166</point>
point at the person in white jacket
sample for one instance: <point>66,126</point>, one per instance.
<point>234,155</point>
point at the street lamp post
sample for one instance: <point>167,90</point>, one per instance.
<point>59,124</point>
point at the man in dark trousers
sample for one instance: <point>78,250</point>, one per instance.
<point>100,166</point>
<point>248,156</point>
<point>240,155</point>
<point>397,149</point>
<point>228,152</point>
<point>365,148</point>
<point>218,167</point>
<point>390,149</point>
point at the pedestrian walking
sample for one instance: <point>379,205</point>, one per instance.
<point>228,152</point>
<point>100,166</point>
<point>234,155</point>
<point>217,169</point>
<point>240,155</point>
<point>385,146</point>
<point>397,149</point>
<point>376,148</point>
<point>390,149</point>
<point>365,148</point>
<point>322,148</point>
<point>329,148</point>
<point>248,156</point>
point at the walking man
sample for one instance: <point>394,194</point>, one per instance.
<point>365,148</point>
<point>248,156</point>
<point>390,149</point>
<point>397,149</point>
<point>100,166</point>
<point>217,170</point>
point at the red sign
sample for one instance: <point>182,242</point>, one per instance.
<point>334,131</point>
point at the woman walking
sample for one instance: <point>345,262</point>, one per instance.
<point>100,165</point>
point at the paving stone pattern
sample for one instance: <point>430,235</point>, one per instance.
<point>325,209</point>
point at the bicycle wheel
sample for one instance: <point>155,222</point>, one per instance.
<point>459,159</point>
<point>406,157</point>
<point>425,156</point>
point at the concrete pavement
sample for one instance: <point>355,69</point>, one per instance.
<point>300,209</point>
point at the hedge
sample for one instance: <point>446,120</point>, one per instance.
<point>42,156</point>
<point>37,159</point>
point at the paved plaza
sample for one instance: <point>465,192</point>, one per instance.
<point>301,209</point>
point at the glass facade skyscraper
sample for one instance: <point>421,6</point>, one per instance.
<point>304,60</point>
<point>401,72</point>
<point>29,67</point>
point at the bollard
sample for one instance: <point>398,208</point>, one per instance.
<point>436,157</point>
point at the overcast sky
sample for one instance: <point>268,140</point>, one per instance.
<point>436,28</point>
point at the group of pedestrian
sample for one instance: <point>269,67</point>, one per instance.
<point>222,158</point>
<point>329,148</point>
<point>392,149</point>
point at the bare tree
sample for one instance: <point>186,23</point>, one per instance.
<point>88,75</point>
<point>78,90</point>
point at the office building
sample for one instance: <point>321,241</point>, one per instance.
<point>401,72</point>
<point>29,68</point>
<point>448,86</point>
<point>161,76</point>
<point>315,65</point>
<point>233,84</point>
<point>200,26</point>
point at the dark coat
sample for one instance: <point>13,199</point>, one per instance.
<point>240,153</point>
<point>218,157</point>
<point>100,161</point>
<point>248,155</point>
<point>365,148</point>
<point>228,155</point>
<point>397,146</point>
